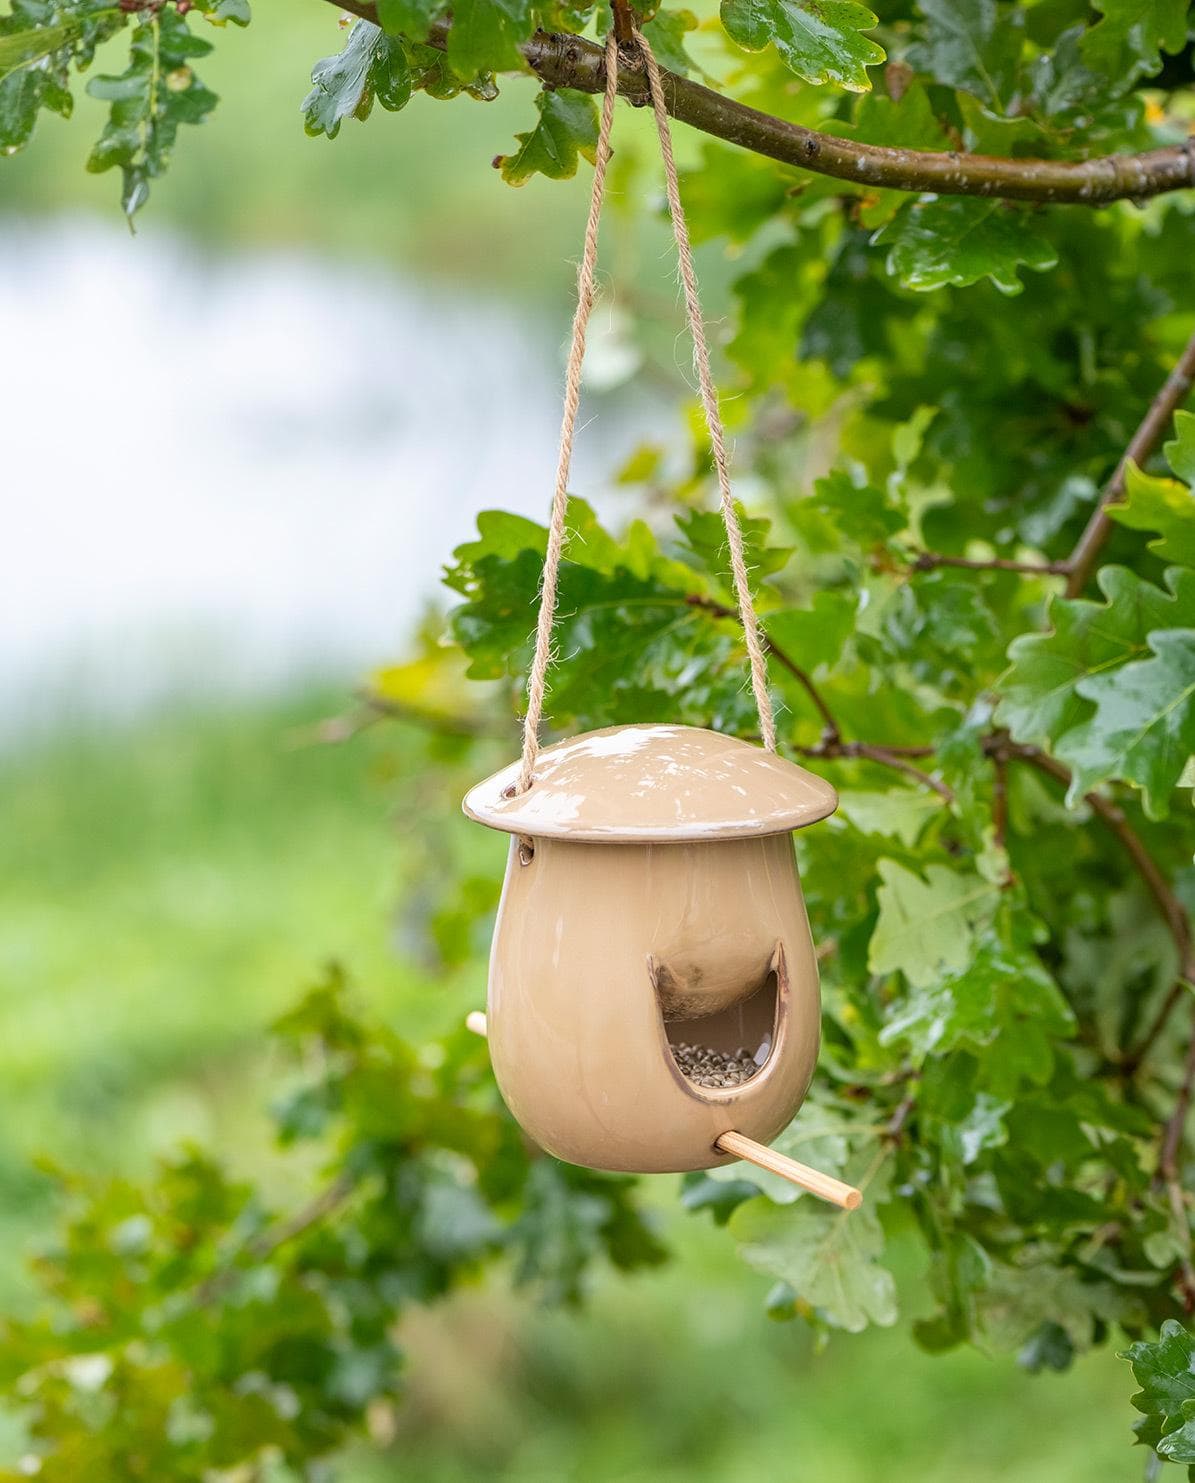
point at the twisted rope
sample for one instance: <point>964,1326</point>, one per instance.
<point>537,680</point>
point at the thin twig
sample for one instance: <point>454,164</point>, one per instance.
<point>317,1209</point>
<point>888,757</point>
<point>1175,916</point>
<point>832,746</point>
<point>441,722</point>
<point>1142,444</point>
<point>1170,907</point>
<point>894,1132</point>
<point>624,22</point>
<point>1177,990</point>
<point>1000,808</point>
<point>1171,1174</point>
<point>785,660</point>
<point>926,561</point>
<point>563,60</point>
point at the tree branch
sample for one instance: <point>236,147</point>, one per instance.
<point>1142,444</point>
<point>562,60</point>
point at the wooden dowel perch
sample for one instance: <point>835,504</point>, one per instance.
<point>824,1186</point>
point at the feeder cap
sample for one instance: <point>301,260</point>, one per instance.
<point>653,784</point>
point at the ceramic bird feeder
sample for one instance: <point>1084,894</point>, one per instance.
<point>652,922</point>
<point>653,995</point>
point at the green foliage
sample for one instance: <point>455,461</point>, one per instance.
<point>189,1327</point>
<point>1043,700</point>
<point>1130,38</point>
<point>43,41</point>
<point>1111,688</point>
<point>925,927</point>
<point>1165,1370</point>
<point>155,93</point>
<point>975,45</point>
<point>962,241</point>
<point>567,129</point>
<point>1161,505</point>
<point>819,40</point>
<point>1143,726</point>
<point>921,429</point>
<point>823,1255</point>
<point>372,66</point>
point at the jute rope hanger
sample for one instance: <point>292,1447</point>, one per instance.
<point>732,1143</point>
<point>537,681</point>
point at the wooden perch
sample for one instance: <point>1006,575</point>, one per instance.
<point>824,1186</point>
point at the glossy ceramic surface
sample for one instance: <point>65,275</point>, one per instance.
<point>602,957</point>
<point>631,784</point>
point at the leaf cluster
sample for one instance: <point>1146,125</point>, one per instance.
<point>929,394</point>
<point>192,1329</point>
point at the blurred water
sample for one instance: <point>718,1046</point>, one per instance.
<point>217,473</point>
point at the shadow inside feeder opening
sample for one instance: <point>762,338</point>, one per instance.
<point>729,1047</point>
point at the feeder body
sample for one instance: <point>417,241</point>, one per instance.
<point>604,955</point>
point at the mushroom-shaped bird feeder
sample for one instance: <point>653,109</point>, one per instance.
<point>653,993</point>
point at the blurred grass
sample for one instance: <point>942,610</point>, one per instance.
<point>680,1376</point>
<point>166,890</point>
<point>168,887</point>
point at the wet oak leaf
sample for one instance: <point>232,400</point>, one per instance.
<point>371,66</point>
<point>1041,699</point>
<point>820,40</point>
<point>148,102</point>
<point>1143,727</point>
<point>829,1259</point>
<point>961,240</point>
<point>1161,505</point>
<point>1164,1368</point>
<point>927,922</point>
<point>970,44</point>
<point>1131,36</point>
<point>41,42</point>
<point>566,131</point>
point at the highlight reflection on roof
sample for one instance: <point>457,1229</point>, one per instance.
<point>654,782</point>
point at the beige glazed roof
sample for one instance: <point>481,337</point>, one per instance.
<point>671,784</point>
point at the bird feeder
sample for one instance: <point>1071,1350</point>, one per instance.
<point>652,906</point>
<point>653,995</point>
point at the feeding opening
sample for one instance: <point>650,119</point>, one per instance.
<point>724,1050</point>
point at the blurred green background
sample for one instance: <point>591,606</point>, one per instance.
<point>171,874</point>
